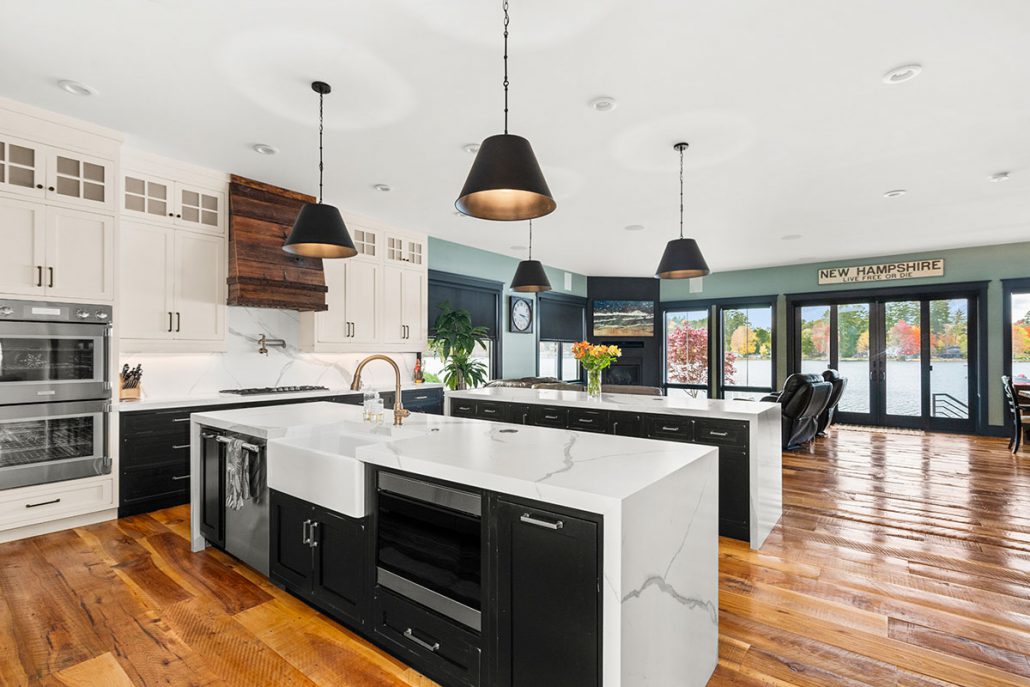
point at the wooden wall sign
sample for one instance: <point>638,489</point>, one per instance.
<point>261,275</point>
<point>888,271</point>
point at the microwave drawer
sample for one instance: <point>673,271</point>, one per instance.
<point>42,505</point>
<point>436,646</point>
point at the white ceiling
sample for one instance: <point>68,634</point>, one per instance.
<point>791,129</point>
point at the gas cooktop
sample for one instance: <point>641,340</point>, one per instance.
<point>273,390</point>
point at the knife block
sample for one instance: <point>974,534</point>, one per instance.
<point>128,394</point>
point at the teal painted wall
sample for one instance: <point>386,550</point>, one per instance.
<point>518,351</point>
<point>987,263</point>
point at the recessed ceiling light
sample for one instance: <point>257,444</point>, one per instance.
<point>385,188</point>
<point>790,237</point>
<point>603,104</point>
<point>905,72</point>
<point>896,193</point>
<point>264,149</point>
<point>999,177</point>
<point>76,87</point>
<point>472,148</point>
<point>635,227</point>
<point>517,247</point>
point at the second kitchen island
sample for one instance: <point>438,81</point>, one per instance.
<point>487,554</point>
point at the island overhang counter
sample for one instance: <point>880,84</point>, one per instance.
<point>657,505</point>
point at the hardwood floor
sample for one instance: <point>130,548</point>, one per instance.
<point>901,560</point>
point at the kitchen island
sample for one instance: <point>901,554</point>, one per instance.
<point>599,554</point>
<point>747,434</point>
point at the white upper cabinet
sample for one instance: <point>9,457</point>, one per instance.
<point>184,204</point>
<point>21,167</point>
<point>172,289</point>
<point>80,179</point>
<point>23,257</point>
<point>376,299</point>
<point>406,250</point>
<point>79,254</point>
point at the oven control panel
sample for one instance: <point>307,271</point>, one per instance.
<point>45,311</point>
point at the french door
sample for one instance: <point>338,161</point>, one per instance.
<point>910,360</point>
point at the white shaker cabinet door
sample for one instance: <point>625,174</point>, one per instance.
<point>393,297</point>
<point>80,255</point>
<point>199,293</point>
<point>146,264</point>
<point>362,294</point>
<point>332,326</point>
<point>413,307</point>
<point>21,167</point>
<point>22,247</point>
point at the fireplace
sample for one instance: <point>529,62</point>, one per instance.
<point>629,369</point>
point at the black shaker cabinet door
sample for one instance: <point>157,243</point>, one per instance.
<point>548,599</point>
<point>341,564</point>
<point>289,556</point>
<point>734,491</point>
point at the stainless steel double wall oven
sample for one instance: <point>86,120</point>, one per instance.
<point>55,390</point>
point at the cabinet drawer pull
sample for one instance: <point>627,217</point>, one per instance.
<point>421,398</point>
<point>586,420</point>
<point>536,522</point>
<point>181,419</point>
<point>305,537</point>
<point>489,411</point>
<point>179,478</point>
<point>464,407</point>
<point>410,635</point>
<point>550,417</point>
<point>41,503</point>
<point>670,429</point>
<point>179,447</point>
<point>717,434</point>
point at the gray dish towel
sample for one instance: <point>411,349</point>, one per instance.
<point>237,474</point>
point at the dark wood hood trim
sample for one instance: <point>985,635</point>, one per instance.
<point>261,274</point>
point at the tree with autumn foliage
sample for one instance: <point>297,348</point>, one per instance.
<point>686,355</point>
<point>903,339</point>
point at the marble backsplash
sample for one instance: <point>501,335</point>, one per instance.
<point>184,374</point>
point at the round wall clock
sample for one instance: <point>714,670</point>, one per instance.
<point>520,315</point>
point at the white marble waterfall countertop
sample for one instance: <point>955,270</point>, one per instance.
<point>666,405</point>
<point>163,403</point>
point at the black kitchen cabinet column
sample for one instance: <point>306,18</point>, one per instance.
<point>547,577</point>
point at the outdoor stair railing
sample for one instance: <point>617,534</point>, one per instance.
<point>946,405</point>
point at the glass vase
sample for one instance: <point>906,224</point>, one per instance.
<point>594,385</point>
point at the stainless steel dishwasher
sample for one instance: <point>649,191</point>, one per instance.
<point>242,533</point>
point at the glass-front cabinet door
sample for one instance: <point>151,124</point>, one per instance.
<point>200,209</point>
<point>147,196</point>
<point>21,167</point>
<point>71,176</point>
<point>52,442</point>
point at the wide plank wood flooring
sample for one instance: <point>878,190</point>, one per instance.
<point>902,560</point>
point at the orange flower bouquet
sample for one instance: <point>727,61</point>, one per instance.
<point>594,358</point>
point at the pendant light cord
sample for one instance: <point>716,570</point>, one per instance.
<point>321,127</point>
<point>681,190</point>
<point>530,239</point>
<point>505,5</point>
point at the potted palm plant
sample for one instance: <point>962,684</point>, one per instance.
<point>454,340</point>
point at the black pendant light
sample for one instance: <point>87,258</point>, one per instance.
<point>682,258</point>
<point>529,275</point>
<point>505,182</point>
<point>319,231</point>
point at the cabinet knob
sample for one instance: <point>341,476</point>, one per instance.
<point>39,185</point>
<point>177,216</point>
<point>171,214</point>
<point>50,188</point>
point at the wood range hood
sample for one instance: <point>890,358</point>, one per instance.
<point>261,274</point>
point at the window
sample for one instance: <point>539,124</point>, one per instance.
<point>686,352</point>
<point>482,299</point>
<point>432,365</point>
<point>1017,315</point>
<point>737,335</point>
<point>562,323</point>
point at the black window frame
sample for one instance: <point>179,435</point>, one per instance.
<point>1008,287</point>
<point>494,288</point>
<point>569,299</point>
<point>715,307</point>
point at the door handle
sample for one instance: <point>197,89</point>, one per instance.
<point>39,275</point>
<point>312,540</point>
<point>305,537</point>
<point>169,320</point>
<point>536,522</point>
<point>51,271</point>
<point>178,322</point>
<point>410,635</point>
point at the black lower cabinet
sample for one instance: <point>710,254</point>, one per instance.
<point>626,424</point>
<point>320,556</point>
<point>154,460</point>
<point>212,492</point>
<point>436,646</point>
<point>546,581</point>
<point>734,490</point>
